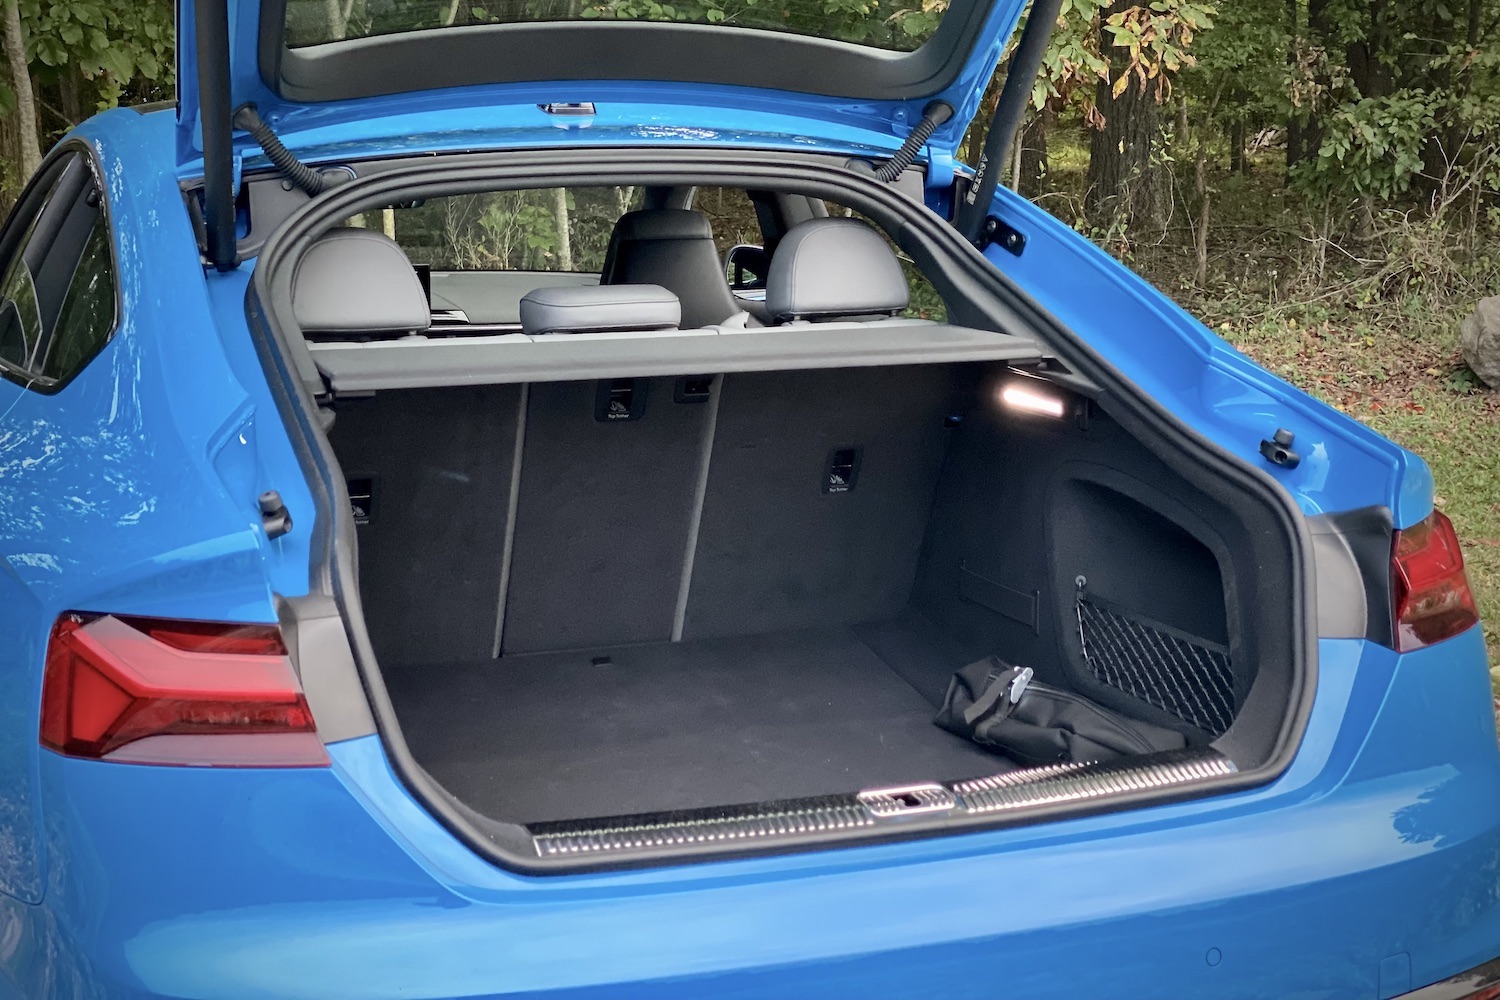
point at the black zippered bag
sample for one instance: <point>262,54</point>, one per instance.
<point>997,704</point>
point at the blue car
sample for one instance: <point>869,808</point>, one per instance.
<point>598,501</point>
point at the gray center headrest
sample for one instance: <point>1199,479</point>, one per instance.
<point>834,269</point>
<point>599,309</point>
<point>358,281</point>
<point>663,224</point>
<point>674,248</point>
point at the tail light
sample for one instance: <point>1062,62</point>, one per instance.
<point>1433,600</point>
<point>154,691</point>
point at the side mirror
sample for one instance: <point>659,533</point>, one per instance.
<point>746,266</point>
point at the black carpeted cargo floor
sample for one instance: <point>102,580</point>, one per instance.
<point>663,726</point>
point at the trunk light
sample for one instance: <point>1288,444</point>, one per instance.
<point>1021,397</point>
<point>1433,600</point>
<point>153,691</point>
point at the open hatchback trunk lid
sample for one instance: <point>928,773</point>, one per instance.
<point>311,63</point>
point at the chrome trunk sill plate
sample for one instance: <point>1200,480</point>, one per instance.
<point>929,806</point>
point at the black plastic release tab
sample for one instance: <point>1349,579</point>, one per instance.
<point>1278,450</point>
<point>841,471</point>
<point>273,514</point>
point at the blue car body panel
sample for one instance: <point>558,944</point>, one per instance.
<point>814,112</point>
<point>1369,867</point>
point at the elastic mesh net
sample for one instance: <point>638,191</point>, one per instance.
<point>1184,675</point>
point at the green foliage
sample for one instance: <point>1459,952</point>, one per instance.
<point>1157,37</point>
<point>1372,146</point>
<point>109,45</point>
<point>1152,40</point>
<point>898,24</point>
<point>1072,60</point>
<point>894,24</point>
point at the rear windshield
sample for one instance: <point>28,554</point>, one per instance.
<point>888,24</point>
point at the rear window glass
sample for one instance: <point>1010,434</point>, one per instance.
<point>888,24</point>
<point>545,229</point>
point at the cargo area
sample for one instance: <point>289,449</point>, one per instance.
<point>635,596</point>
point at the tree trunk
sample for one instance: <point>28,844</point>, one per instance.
<point>1237,147</point>
<point>1123,189</point>
<point>1121,182</point>
<point>564,238</point>
<point>1366,71</point>
<point>1017,148</point>
<point>1200,187</point>
<point>9,153</point>
<point>1294,122</point>
<point>15,54</point>
<point>71,101</point>
<point>623,196</point>
<point>1034,152</point>
<point>1320,35</point>
<point>338,21</point>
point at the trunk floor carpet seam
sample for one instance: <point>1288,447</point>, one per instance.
<point>668,726</point>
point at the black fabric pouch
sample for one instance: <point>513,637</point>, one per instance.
<point>996,704</point>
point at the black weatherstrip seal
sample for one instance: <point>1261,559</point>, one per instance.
<point>950,260</point>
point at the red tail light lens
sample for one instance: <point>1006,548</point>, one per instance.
<point>1433,600</point>
<point>147,690</point>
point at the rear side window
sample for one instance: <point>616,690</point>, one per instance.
<point>58,294</point>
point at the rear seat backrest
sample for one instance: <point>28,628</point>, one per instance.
<point>834,269</point>
<point>674,248</point>
<point>783,546</point>
<point>355,281</point>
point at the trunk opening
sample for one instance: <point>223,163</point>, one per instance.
<point>605,642</point>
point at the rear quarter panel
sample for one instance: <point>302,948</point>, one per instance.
<point>1204,381</point>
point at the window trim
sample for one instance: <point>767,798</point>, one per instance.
<point>664,51</point>
<point>27,378</point>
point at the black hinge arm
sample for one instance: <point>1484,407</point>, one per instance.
<point>211,21</point>
<point>1025,63</point>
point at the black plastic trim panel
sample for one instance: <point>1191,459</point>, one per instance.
<point>1370,534</point>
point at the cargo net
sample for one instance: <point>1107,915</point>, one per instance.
<point>1181,674</point>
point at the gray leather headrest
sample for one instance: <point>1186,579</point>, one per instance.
<point>674,248</point>
<point>358,281</point>
<point>663,224</point>
<point>834,269</point>
<point>599,309</point>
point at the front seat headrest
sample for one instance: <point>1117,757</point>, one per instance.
<point>358,281</point>
<point>826,269</point>
<point>674,248</point>
<point>599,309</point>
